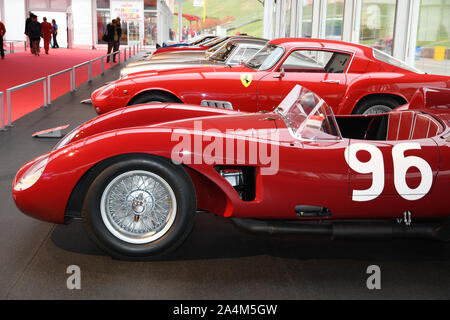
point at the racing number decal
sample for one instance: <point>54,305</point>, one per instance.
<point>401,165</point>
<point>246,79</point>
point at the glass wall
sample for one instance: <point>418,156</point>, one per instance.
<point>335,15</point>
<point>307,8</point>
<point>289,26</point>
<point>150,27</point>
<point>103,18</point>
<point>377,24</point>
<point>433,37</point>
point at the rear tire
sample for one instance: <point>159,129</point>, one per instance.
<point>140,207</point>
<point>376,106</point>
<point>152,98</point>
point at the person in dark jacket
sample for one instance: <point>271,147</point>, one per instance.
<point>119,34</point>
<point>111,38</point>
<point>27,29</point>
<point>2,34</point>
<point>35,36</point>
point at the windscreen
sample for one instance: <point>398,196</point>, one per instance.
<point>266,58</point>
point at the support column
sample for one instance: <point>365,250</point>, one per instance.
<point>401,29</point>
<point>351,21</point>
<point>268,23</point>
<point>180,20</point>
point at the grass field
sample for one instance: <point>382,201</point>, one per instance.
<point>243,12</point>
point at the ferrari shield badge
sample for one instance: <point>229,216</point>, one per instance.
<point>246,79</point>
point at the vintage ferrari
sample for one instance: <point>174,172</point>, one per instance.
<point>232,53</point>
<point>137,176</point>
<point>351,78</point>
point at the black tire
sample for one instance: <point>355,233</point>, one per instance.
<point>183,189</point>
<point>370,104</point>
<point>151,98</point>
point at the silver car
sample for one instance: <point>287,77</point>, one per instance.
<point>233,52</point>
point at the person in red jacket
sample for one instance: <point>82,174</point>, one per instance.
<point>47,31</point>
<point>2,34</point>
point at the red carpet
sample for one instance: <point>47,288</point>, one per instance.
<point>22,67</point>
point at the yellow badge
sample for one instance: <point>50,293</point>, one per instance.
<point>246,79</point>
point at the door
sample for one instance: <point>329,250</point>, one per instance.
<point>388,178</point>
<point>321,71</point>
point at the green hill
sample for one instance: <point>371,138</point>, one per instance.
<point>248,14</point>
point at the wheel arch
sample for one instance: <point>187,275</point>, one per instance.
<point>398,98</point>
<point>203,187</point>
<point>163,92</point>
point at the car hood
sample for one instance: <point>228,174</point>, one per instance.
<point>152,66</point>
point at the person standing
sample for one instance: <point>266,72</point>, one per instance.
<point>55,33</point>
<point>27,29</point>
<point>111,38</point>
<point>119,35</point>
<point>35,36</point>
<point>47,31</point>
<point>2,34</point>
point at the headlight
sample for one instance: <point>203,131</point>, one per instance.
<point>32,175</point>
<point>67,138</point>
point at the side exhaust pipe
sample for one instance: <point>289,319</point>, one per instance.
<point>341,229</point>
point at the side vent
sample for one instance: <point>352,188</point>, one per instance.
<point>242,179</point>
<point>217,104</point>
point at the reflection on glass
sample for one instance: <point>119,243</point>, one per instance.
<point>150,27</point>
<point>287,32</point>
<point>377,24</point>
<point>307,18</point>
<point>433,37</point>
<point>103,18</point>
<point>335,15</point>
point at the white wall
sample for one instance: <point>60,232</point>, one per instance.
<point>82,22</point>
<point>14,19</point>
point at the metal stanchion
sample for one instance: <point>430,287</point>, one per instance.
<point>125,54</point>
<point>2,111</point>
<point>90,71</point>
<point>74,83</point>
<point>45,93</point>
<point>103,65</point>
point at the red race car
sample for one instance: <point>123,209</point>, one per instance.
<point>138,174</point>
<point>351,78</point>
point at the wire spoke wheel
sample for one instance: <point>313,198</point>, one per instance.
<point>138,207</point>
<point>377,109</point>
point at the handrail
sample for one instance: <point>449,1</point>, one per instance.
<point>8,95</point>
<point>47,82</point>
<point>11,44</point>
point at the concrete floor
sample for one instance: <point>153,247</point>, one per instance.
<point>216,262</point>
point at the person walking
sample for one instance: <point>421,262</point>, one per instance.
<point>2,34</point>
<point>47,31</point>
<point>55,33</point>
<point>27,29</point>
<point>111,37</point>
<point>35,36</point>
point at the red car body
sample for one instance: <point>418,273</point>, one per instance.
<point>311,172</point>
<point>362,81</point>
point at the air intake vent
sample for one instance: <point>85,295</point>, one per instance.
<point>217,104</point>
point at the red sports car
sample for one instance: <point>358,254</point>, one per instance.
<point>137,175</point>
<point>351,78</point>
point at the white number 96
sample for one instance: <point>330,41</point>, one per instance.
<point>401,165</point>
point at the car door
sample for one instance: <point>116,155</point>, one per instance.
<point>321,71</point>
<point>388,178</point>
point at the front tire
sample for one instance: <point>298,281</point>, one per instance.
<point>140,207</point>
<point>376,106</point>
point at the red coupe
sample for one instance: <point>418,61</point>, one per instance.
<point>351,78</point>
<point>137,175</point>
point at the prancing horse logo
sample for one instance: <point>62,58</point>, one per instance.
<point>246,79</point>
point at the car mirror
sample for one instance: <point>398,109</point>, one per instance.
<point>281,74</point>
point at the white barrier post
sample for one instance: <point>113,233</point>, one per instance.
<point>45,93</point>
<point>119,61</point>
<point>125,54</point>
<point>90,71</point>
<point>8,107</point>
<point>2,110</point>
<point>49,87</point>
<point>74,79</point>
<point>103,66</point>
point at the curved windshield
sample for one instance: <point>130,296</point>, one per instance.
<point>265,58</point>
<point>307,116</point>
<point>223,52</point>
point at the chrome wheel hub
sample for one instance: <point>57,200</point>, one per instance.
<point>378,109</point>
<point>138,207</point>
